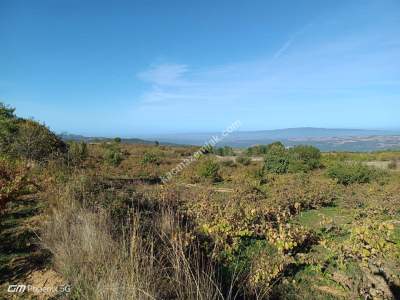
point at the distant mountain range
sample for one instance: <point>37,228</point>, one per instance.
<point>323,138</point>
<point>79,138</point>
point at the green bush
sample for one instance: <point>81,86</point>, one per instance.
<point>113,156</point>
<point>244,160</point>
<point>348,173</point>
<point>77,152</point>
<point>304,158</point>
<point>300,158</point>
<point>224,151</point>
<point>8,128</point>
<point>209,169</point>
<point>35,141</point>
<point>277,159</point>
<point>257,150</point>
<point>150,158</point>
<point>27,138</point>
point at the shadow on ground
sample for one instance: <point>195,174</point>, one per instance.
<point>20,254</point>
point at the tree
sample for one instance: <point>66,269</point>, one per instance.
<point>8,127</point>
<point>276,159</point>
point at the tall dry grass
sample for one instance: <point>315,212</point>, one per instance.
<point>144,261</point>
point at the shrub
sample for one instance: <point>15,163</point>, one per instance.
<point>113,156</point>
<point>150,158</point>
<point>225,151</point>
<point>27,138</point>
<point>244,160</point>
<point>257,150</point>
<point>277,159</point>
<point>300,158</point>
<point>35,141</point>
<point>117,140</point>
<point>304,158</point>
<point>348,173</point>
<point>8,128</point>
<point>392,165</point>
<point>209,169</point>
<point>14,181</point>
<point>228,163</point>
<point>77,152</point>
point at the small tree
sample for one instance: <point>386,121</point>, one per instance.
<point>8,128</point>
<point>276,159</point>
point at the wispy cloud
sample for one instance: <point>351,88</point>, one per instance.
<point>283,49</point>
<point>313,67</point>
<point>164,74</point>
<point>331,66</point>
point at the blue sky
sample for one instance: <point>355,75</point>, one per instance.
<point>136,68</point>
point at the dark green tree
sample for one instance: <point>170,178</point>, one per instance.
<point>276,159</point>
<point>8,128</point>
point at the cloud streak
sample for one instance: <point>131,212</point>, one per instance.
<point>312,68</point>
<point>164,74</point>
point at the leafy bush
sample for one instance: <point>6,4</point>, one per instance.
<point>277,159</point>
<point>209,169</point>
<point>348,173</point>
<point>304,158</point>
<point>150,158</point>
<point>300,158</point>
<point>257,150</point>
<point>244,160</point>
<point>27,138</point>
<point>14,181</point>
<point>35,141</point>
<point>263,149</point>
<point>77,152</point>
<point>224,151</point>
<point>8,127</point>
<point>113,156</point>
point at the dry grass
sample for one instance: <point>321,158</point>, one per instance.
<point>145,262</point>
